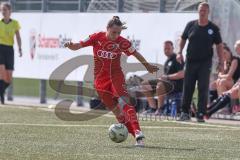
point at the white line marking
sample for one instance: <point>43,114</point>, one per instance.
<point>105,126</point>
<point>110,115</point>
<point>206,125</point>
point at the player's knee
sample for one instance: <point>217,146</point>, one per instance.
<point>222,82</point>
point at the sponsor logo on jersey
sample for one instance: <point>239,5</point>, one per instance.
<point>106,54</point>
<point>210,31</point>
<point>169,63</point>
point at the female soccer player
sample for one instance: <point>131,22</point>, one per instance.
<point>228,79</point>
<point>229,76</point>
<point>8,28</point>
<point>225,97</point>
<point>109,79</point>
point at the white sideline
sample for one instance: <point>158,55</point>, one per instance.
<point>192,123</point>
<point>205,125</point>
<point>105,126</point>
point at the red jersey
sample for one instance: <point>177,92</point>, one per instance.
<point>107,53</point>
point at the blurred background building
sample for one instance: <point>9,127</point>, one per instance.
<point>128,6</point>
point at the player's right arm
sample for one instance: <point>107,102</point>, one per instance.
<point>181,46</point>
<point>73,46</point>
<point>179,54</point>
<point>90,41</point>
<point>183,40</point>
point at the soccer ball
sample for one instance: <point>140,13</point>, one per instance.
<point>118,132</point>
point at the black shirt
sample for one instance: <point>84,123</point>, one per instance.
<point>172,66</point>
<point>236,74</point>
<point>201,40</point>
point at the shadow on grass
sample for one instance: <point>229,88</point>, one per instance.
<point>160,148</point>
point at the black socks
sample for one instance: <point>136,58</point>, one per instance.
<point>218,104</point>
<point>213,95</point>
<point>2,91</point>
<point>3,87</point>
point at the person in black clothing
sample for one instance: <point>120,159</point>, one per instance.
<point>202,35</point>
<point>173,74</point>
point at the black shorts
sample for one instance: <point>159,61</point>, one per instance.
<point>7,57</point>
<point>154,83</point>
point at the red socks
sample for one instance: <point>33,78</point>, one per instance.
<point>129,118</point>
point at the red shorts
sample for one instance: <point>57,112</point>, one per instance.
<point>110,89</point>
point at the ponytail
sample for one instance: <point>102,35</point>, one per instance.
<point>116,21</point>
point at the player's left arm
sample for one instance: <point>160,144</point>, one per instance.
<point>132,51</point>
<point>19,42</point>
<point>151,68</point>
